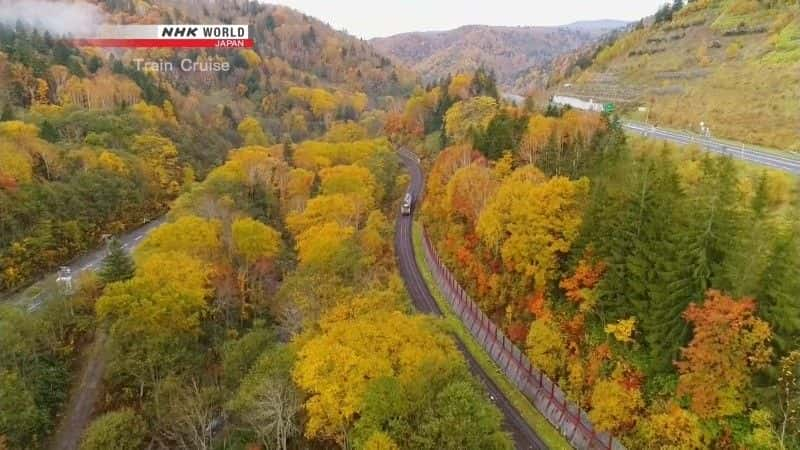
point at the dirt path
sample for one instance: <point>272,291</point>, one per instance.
<point>82,399</point>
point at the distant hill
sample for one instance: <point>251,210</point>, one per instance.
<point>732,64</point>
<point>512,52</point>
<point>602,26</point>
<point>300,48</point>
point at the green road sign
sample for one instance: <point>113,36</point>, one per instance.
<point>609,108</point>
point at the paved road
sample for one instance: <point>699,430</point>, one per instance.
<point>524,437</point>
<point>35,295</point>
<point>736,151</point>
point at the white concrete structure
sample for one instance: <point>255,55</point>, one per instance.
<point>578,103</point>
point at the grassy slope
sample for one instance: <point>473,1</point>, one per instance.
<point>551,437</point>
<point>745,87</point>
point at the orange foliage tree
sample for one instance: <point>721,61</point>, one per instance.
<point>729,345</point>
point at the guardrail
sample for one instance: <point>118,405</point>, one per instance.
<point>546,396</point>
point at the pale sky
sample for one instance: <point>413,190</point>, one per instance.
<point>368,19</point>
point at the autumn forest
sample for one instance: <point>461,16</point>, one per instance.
<point>657,285</point>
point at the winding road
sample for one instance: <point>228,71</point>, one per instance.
<point>37,294</point>
<point>734,150</point>
<point>524,437</point>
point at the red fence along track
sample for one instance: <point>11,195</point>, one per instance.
<point>548,398</point>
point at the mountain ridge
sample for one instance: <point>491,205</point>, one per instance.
<point>511,51</point>
<point>737,62</point>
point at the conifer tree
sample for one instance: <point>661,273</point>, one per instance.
<point>778,294</point>
<point>117,265</point>
<point>7,114</point>
<point>711,220</point>
<point>639,237</point>
<point>48,132</point>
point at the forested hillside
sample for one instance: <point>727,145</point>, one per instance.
<point>91,146</point>
<point>520,56</point>
<point>658,288</point>
<point>732,64</point>
<point>266,312</point>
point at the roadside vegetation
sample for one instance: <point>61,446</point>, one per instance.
<point>657,286</point>
<point>534,418</point>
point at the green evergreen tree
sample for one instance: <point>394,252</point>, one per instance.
<point>8,113</point>
<point>49,132</point>
<point>502,134</point>
<point>117,265</point>
<point>664,13</point>
<point>713,220</point>
<point>94,64</point>
<point>778,293</point>
<point>270,23</point>
<point>484,83</point>
<point>750,245</point>
<point>657,289</point>
<point>760,199</point>
<point>638,233</point>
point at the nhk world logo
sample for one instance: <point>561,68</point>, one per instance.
<point>170,36</point>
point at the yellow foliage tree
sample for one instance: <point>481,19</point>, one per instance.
<point>532,224</point>
<point>547,348</point>
<point>356,101</point>
<point>295,121</point>
<point>335,367</point>
<point>111,162</point>
<point>380,441</point>
<point>15,164</point>
<point>166,297</point>
<point>314,155</point>
<point>471,114</point>
<point>540,128</point>
<point>16,129</point>
<point>320,245</point>
<point>356,181</point>
<point>190,235</point>
<point>459,86</point>
<point>374,238</point>
<point>251,57</point>
<point>252,133</point>
<point>153,115</point>
<point>254,240</point>
<point>673,429</point>
<point>345,132</point>
<point>298,189</point>
<point>469,190</point>
<point>42,91</point>
<point>256,166</point>
<point>162,155</point>
<point>338,208</point>
<point>622,330</point>
<point>615,408</point>
<point>321,102</point>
